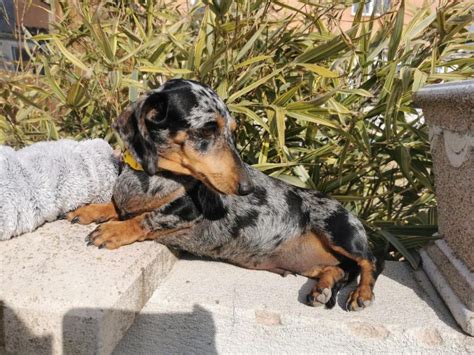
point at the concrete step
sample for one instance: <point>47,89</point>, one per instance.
<point>211,307</point>
<point>59,296</point>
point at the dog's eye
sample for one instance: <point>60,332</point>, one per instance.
<point>209,129</point>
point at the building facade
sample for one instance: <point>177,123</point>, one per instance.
<point>16,16</point>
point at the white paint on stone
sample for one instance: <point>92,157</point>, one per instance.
<point>458,147</point>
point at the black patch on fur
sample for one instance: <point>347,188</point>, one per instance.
<point>182,207</point>
<point>278,240</point>
<point>338,225</point>
<point>208,202</point>
<point>144,180</point>
<point>320,195</point>
<point>260,196</point>
<point>248,218</point>
<point>344,234</point>
<point>156,189</point>
<point>304,219</point>
<point>295,208</point>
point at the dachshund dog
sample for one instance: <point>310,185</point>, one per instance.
<point>186,187</point>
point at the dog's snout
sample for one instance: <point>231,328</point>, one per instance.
<point>245,188</point>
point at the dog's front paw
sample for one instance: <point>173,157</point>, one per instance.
<point>113,235</point>
<point>93,213</point>
<point>360,298</point>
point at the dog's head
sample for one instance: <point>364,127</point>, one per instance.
<point>184,127</point>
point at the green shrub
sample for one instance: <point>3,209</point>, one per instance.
<point>317,107</point>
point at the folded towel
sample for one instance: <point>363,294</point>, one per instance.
<point>40,182</point>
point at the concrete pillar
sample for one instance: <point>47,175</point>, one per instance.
<point>449,111</point>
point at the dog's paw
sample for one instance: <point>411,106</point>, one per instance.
<point>113,235</point>
<point>319,296</point>
<point>359,299</point>
<point>94,213</point>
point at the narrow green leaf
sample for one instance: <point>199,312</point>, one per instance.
<point>72,58</point>
<point>53,84</point>
<point>412,258</point>
<point>317,69</point>
<point>249,44</point>
<point>309,117</point>
<point>253,86</point>
<point>249,113</point>
<point>280,123</point>
<point>163,70</point>
<point>282,99</point>
<point>252,60</point>
<point>269,166</point>
<point>419,80</point>
<point>201,39</point>
<point>397,32</point>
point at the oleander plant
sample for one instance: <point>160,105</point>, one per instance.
<point>318,106</point>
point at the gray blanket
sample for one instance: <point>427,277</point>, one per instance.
<point>42,181</point>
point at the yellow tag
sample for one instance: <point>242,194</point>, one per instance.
<point>131,162</point>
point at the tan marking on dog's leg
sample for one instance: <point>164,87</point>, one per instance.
<point>112,235</point>
<point>115,234</point>
<point>363,295</point>
<point>138,205</point>
<point>93,213</point>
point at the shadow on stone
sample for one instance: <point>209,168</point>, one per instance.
<point>187,332</point>
<point>171,333</point>
<point>19,335</point>
<point>420,284</point>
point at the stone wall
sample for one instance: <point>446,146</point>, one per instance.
<point>449,111</point>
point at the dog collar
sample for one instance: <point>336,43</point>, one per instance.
<point>131,162</point>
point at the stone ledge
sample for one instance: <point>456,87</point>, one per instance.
<point>449,109</point>
<point>210,307</point>
<point>455,273</point>
<point>59,296</point>
<point>448,105</point>
<point>463,315</point>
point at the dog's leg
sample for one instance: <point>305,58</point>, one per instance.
<point>93,213</point>
<point>327,279</point>
<point>174,218</point>
<point>114,234</point>
<point>363,295</point>
<point>314,256</point>
<point>139,204</point>
<point>136,205</point>
<point>345,236</point>
<point>370,268</point>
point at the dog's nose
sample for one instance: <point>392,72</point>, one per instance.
<point>245,188</point>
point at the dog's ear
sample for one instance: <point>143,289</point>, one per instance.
<point>139,127</point>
